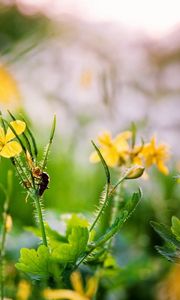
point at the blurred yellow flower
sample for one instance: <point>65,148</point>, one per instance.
<point>86,79</point>
<point>114,151</point>
<point>9,93</point>
<point>153,154</point>
<point>169,289</point>
<point>118,152</point>
<point>24,290</point>
<point>9,223</point>
<point>9,148</point>
<point>79,293</point>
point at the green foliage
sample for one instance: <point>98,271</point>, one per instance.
<point>75,221</point>
<point>15,27</point>
<point>63,250</point>
<point>35,263</point>
<point>169,253</point>
<point>165,233</point>
<point>172,237</point>
<point>125,213</point>
<point>175,228</point>
<point>76,246</point>
<point>106,169</point>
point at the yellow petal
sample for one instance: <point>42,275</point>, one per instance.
<point>162,168</point>
<point>11,149</point>
<point>24,290</point>
<point>91,287</point>
<point>77,283</point>
<point>126,135</point>
<point>105,138</point>
<point>18,126</point>
<point>153,142</point>
<point>120,141</point>
<point>9,92</point>
<point>111,156</point>
<point>2,135</point>
<point>63,294</point>
<point>137,160</point>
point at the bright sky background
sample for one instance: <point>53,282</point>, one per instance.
<point>153,16</point>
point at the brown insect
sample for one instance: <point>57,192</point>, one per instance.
<point>41,178</point>
<point>43,184</point>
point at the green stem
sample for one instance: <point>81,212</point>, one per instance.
<point>36,199</point>
<point>109,193</point>
<point>116,203</point>
<point>22,174</point>
<point>102,208</point>
<point>2,254</point>
<point>4,231</point>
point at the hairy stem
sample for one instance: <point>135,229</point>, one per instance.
<point>116,204</point>
<point>36,199</point>
<point>102,208</point>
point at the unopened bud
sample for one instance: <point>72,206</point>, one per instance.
<point>135,172</point>
<point>9,223</point>
<point>29,159</point>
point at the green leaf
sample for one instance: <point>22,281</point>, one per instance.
<point>35,263</point>
<point>175,228</point>
<point>106,169</point>
<point>132,203</point>
<point>75,221</point>
<point>76,246</point>
<point>170,254</point>
<point>165,233</point>
<point>47,149</point>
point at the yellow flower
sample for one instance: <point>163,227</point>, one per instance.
<point>9,148</point>
<point>79,293</point>
<point>153,154</point>
<point>9,92</point>
<point>169,288</point>
<point>24,290</point>
<point>86,79</point>
<point>114,151</point>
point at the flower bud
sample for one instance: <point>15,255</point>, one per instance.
<point>135,172</point>
<point>9,223</point>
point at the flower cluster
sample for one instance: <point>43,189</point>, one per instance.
<point>9,147</point>
<point>120,151</point>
